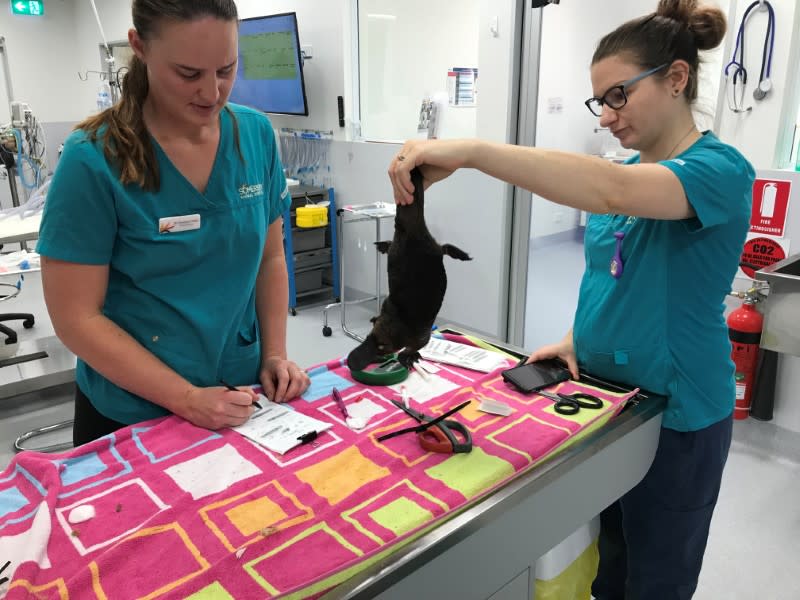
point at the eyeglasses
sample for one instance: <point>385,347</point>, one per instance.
<point>617,97</point>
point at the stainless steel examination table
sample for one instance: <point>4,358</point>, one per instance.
<point>490,550</point>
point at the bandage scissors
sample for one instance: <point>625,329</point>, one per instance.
<point>436,434</point>
<point>571,404</point>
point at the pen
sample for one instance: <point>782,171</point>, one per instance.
<point>308,437</point>
<point>233,389</point>
<point>340,403</point>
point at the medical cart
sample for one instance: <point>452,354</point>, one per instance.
<point>350,215</point>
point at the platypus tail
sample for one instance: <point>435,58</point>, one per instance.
<point>455,252</point>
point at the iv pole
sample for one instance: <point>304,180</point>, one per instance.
<point>110,73</point>
<point>11,170</point>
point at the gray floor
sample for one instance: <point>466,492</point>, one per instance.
<point>751,552</point>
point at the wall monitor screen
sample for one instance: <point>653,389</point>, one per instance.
<point>270,72</point>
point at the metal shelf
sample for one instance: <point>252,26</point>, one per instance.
<point>324,265</point>
<point>291,232</point>
<point>319,290</point>
<point>296,252</point>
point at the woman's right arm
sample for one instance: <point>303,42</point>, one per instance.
<point>580,181</point>
<point>75,294</point>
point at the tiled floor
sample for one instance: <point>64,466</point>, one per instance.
<point>754,538</point>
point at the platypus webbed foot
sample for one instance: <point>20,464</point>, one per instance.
<point>407,359</point>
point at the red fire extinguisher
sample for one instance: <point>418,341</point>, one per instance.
<point>744,330</point>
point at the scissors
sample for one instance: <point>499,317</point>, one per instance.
<point>436,434</point>
<point>571,404</point>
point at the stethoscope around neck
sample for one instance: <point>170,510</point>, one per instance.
<point>735,71</point>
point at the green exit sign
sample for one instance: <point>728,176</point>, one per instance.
<point>27,7</point>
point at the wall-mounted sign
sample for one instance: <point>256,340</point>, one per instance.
<point>770,205</point>
<point>27,7</point>
<point>761,251</point>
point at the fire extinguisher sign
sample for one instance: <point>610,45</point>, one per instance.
<point>770,206</point>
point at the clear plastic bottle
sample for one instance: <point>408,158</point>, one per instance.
<point>103,97</point>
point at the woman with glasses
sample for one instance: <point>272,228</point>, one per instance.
<point>662,246</point>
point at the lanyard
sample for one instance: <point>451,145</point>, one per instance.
<point>735,71</point>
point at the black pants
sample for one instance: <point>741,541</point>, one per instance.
<point>652,540</point>
<point>89,423</point>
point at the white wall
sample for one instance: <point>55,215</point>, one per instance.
<point>787,401</point>
<point>396,74</point>
<point>469,209</point>
<point>478,204</point>
<point>115,16</point>
<point>570,33</point>
<point>320,25</point>
<point>757,135</point>
<point>43,73</point>
<point>40,54</point>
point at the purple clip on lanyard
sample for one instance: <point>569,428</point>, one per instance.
<point>616,263</point>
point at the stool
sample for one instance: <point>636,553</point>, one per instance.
<point>8,347</point>
<point>41,431</point>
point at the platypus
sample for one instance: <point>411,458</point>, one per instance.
<point>417,283</point>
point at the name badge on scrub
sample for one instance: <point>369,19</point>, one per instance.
<point>176,224</point>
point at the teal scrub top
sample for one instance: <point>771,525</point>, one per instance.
<point>660,326</point>
<point>187,296</point>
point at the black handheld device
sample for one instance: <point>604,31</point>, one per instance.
<point>535,376</point>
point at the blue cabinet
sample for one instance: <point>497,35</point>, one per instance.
<point>311,253</point>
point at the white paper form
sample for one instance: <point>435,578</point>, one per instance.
<point>462,355</point>
<point>422,390</point>
<point>278,427</point>
<point>361,413</point>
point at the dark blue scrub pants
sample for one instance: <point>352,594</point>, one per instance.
<point>652,539</point>
<point>89,424</point>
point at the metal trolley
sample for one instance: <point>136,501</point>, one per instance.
<point>347,216</point>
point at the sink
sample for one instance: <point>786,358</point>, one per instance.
<point>781,309</point>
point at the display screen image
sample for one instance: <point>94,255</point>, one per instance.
<point>269,76</point>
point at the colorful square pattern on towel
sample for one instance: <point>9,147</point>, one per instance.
<point>182,512</point>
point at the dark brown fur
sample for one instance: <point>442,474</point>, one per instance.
<point>417,284</point>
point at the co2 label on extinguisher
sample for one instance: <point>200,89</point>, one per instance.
<point>761,252</point>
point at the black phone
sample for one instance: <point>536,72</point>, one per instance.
<point>535,376</point>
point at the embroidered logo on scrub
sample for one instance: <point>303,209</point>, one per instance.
<point>250,191</point>
<point>180,223</point>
